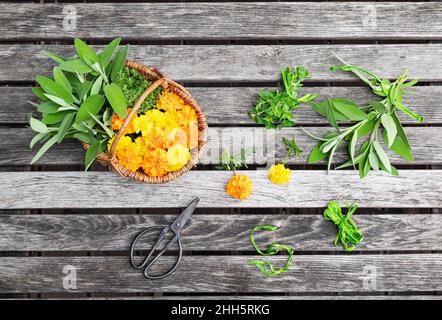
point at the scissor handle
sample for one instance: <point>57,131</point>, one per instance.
<point>146,264</point>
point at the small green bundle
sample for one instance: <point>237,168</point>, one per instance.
<point>133,85</point>
<point>348,232</point>
<point>265,266</point>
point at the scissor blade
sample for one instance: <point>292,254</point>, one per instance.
<point>184,216</point>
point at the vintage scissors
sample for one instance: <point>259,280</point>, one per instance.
<point>176,228</point>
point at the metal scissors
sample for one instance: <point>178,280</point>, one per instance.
<point>176,228</point>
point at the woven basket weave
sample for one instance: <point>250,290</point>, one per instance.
<point>159,80</point>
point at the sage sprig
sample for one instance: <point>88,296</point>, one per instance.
<point>273,108</point>
<point>80,99</point>
<point>348,233</point>
<point>265,266</point>
<point>374,119</point>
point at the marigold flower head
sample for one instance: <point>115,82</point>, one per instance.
<point>177,156</point>
<point>129,153</point>
<point>155,162</point>
<point>239,187</point>
<point>279,174</point>
<point>169,101</point>
<point>117,122</point>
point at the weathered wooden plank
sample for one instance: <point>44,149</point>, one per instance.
<point>14,146</point>
<point>319,273</point>
<point>217,63</point>
<point>229,106</point>
<point>308,188</point>
<point>215,232</point>
<point>224,20</point>
<point>279,297</point>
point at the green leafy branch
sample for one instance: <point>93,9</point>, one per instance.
<point>265,266</point>
<point>273,108</point>
<point>292,148</point>
<point>80,99</point>
<point>377,117</point>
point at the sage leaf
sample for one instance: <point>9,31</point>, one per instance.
<point>86,53</point>
<point>118,62</point>
<point>350,111</point>
<point>37,125</point>
<point>48,144</point>
<point>75,65</point>
<point>37,138</point>
<point>92,105</point>
<point>399,147</point>
<point>382,156</point>
<point>58,100</point>
<point>331,114</point>
<point>85,137</point>
<point>92,153</point>
<point>61,79</point>
<point>389,125</point>
<point>83,89</point>
<point>53,118</point>
<point>352,145</point>
<point>116,98</point>
<point>372,157</point>
<point>65,126</point>
<point>53,56</point>
<point>316,154</point>
<point>96,87</point>
<point>107,53</point>
<point>53,88</point>
<point>379,107</point>
<point>39,92</point>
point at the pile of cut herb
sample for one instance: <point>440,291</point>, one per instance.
<point>374,118</point>
<point>133,85</point>
<point>273,108</point>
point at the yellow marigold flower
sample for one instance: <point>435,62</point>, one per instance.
<point>155,163</point>
<point>156,138</point>
<point>177,156</point>
<point>239,187</point>
<point>279,174</point>
<point>128,153</point>
<point>169,101</point>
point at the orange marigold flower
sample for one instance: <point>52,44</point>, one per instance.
<point>117,122</point>
<point>239,187</point>
<point>129,153</point>
<point>169,101</point>
<point>155,163</point>
<point>176,136</point>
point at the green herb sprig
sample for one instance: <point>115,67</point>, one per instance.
<point>265,266</point>
<point>273,108</point>
<point>377,116</point>
<point>237,161</point>
<point>348,233</point>
<point>80,99</point>
<point>292,148</point>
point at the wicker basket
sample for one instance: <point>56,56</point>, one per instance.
<point>159,80</point>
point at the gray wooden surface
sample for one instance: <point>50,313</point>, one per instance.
<point>308,188</point>
<point>53,215</point>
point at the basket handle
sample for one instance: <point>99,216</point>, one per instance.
<point>160,82</point>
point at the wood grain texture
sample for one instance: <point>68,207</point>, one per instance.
<point>319,273</point>
<point>204,232</point>
<point>235,63</point>
<point>14,146</point>
<point>225,20</point>
<point>230,106</point>
<point>27,190</point>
